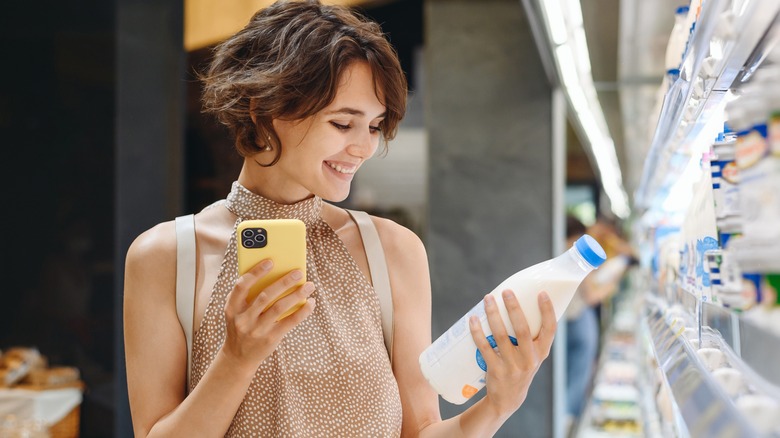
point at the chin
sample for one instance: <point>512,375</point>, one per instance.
<point>335,195</point>
<point>337,198</point>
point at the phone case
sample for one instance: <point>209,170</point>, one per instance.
<point>281,240</point>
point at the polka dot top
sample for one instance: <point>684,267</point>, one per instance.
<point>331,375</point>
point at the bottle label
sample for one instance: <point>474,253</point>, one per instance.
<point>451,337</point>
<point>725,188</point>
<point>752,147</point>
<point>468,391</point>
<point>759,180</point>
<point>494,345</point>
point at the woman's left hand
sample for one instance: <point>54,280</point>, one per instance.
<point>511,369</point>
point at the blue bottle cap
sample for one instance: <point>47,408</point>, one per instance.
<point>590,250</point>
<point>682,10</point>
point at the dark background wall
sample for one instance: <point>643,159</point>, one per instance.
<point>57,134</point>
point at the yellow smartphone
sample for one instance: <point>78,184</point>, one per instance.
<point>281,240</point>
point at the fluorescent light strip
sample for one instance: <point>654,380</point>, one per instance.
<point>567,67</point>
<point>577,82</point>
<point>554,20</point>
<point>575,13</point>
<point>581,49</point>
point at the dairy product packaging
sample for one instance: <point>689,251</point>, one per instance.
<point>756,118</point>
<point>699,235</point>
<point>453,365</point>
<point>677,40</point>
<point>725,184</point>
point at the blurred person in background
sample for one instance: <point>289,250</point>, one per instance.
<point>582,320</point>
<point>308,91</point>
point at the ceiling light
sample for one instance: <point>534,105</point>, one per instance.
<point>555,23</point>
<point>576,80</point>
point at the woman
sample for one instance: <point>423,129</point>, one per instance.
<point>582,320</point>
<point>308,91</point>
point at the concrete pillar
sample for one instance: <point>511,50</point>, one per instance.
<point>149,141</point>
<point>489,120</point>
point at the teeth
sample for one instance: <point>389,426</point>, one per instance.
<point>340,169</point>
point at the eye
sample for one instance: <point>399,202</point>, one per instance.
<point>340,127</point>
<point>375,129</point>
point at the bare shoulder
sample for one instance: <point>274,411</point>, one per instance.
<point>152,255</point>
<point>403,248</point>
<point>154,245</point>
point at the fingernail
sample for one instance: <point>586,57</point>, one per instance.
<point>308,287</point>
<point>297,275</point>
<point>473,320</point>
<point>543,296</point>
<point>489,300</point>
<point>266,264</point>
<point>508,294</point>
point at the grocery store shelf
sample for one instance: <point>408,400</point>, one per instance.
<point>726,47</point>
<point>704,407</point>
<point>754,343</point>
<point>621,403</point>
<point>757,35</point>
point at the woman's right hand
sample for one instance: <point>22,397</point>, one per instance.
<point>253,334</point>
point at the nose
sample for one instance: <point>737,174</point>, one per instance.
<point>363,144</point>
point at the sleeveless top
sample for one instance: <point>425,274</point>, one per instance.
<point>331,375</point>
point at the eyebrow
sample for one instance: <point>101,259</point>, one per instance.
<point>353,112</point>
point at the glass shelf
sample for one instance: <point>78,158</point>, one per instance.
<point>704,407</point>
<point>754,344</point>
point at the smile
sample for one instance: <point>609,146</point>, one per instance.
<point>338,168</point>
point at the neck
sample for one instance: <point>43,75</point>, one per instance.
<point>268,183</point>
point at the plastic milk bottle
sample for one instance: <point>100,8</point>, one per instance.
<point>453,365</point>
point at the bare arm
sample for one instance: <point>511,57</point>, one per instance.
<point>155,346</point>
<point>509,375</point>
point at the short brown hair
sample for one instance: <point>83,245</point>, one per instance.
<point>289,59</point>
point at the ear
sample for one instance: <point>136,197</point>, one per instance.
<point>252,106</point>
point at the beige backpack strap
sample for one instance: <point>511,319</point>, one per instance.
<point>185,280</point>
<point>380,278</point>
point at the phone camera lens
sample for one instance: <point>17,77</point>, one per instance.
<point>248,233</point>
<point>248,243</point>
<point>259,238</point>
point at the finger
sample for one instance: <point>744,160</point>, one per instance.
<point>236,299</point>
<point>289,303</point>
<point>272,292</point>
<point>549,325</point>
<point>480,339</point>
<point>497,326</point>
<point>295,318</point>
<point>517,318</point>
<point>523,341</point>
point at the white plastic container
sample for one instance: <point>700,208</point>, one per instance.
<point>690,19</point>
<point>677,39</point>
<point>453,365</point>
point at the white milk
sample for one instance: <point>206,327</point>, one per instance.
<point>453,365</point>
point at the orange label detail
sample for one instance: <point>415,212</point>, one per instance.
<point>468,391</point>
<point>750,149</point>
<point>731,173</point>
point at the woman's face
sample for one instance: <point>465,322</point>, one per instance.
<point>320,154</point>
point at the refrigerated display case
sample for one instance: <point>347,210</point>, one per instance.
<point>706,308</point>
